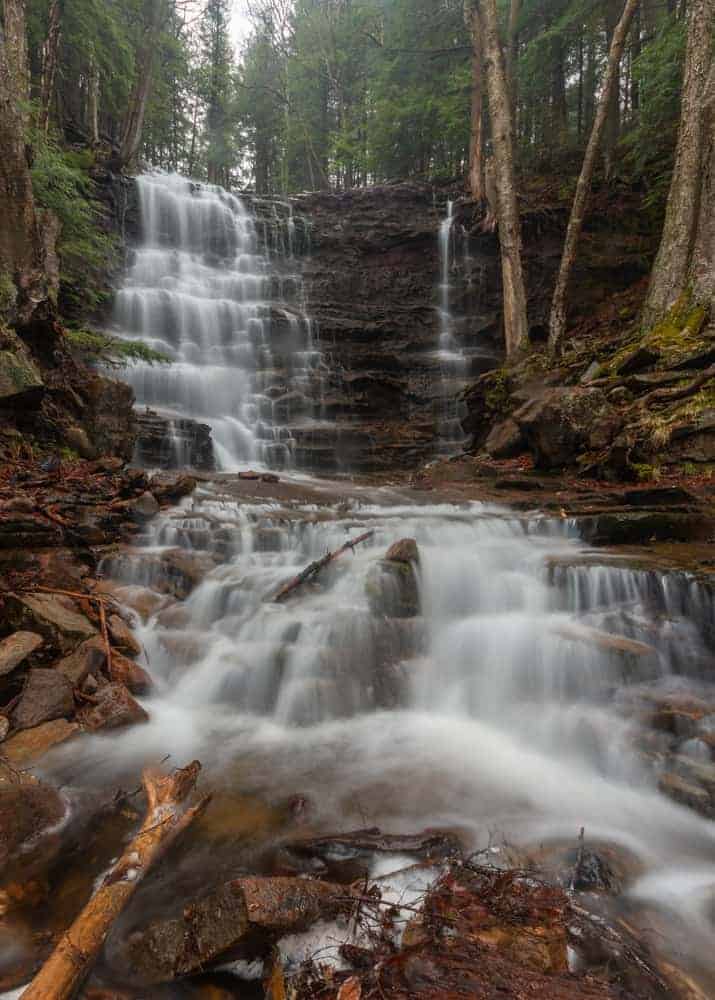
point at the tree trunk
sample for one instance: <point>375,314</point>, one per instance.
<point>612,128</point>
<point>23,255</point>
<point>476,134</point>
<point>686,257</point>
<point>68,965</point>
<point>50,51</point>
<point>93,101</point>
<point>512,52</point>
<point>134,120</point>
<point>557,321</point>
<point>515,320</point>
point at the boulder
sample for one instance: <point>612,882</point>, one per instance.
<point>47,695</point>
<point>122,636</point>
<point>143,507</point>
<point>16,648</point>
<point>20,379</point>
<point>26,810</point>
<point>55,618</point>
<point>505,440</point>
<point>88,658</point>
<point>560,424</point>
<point>114,708</point>
<point>128,673</point>
<point>255,910</point>
<point>404,551</point>
<point>78,440</point>
<point>392,585</point>
<point>170,487</point>
<point>29,745</point>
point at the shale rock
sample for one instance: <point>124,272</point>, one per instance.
<point>170,487</point>
<point>47,695</point>
<point>54,617</point>
<point>210,927</point>
<point>114,709</point>
<point>638,528</point>
<point>89,658</point>
<point>31,744</point>
<point>144,507</point>
<point>16,648</point>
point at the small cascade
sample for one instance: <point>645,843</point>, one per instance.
<point>216,286</point>
<point>451,410</point>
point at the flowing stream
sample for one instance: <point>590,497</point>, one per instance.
<point>485,700</point>
<point>452,360</point>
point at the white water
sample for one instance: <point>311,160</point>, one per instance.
<point>226,307</point>
<point>452,361</point>
<point>477,715</point>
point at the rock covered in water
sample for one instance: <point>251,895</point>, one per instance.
<point>16,648</point>
<point>47,695</point>
<point>27,809</point>
<point>392,584</point>
<point>210,927</point>
<point>122,636</point>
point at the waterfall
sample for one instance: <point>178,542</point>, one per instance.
<point>451,359</point>
<point>227,307</point>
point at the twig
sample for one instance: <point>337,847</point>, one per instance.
<point>315,567</point>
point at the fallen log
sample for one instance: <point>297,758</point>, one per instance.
<point>71,961</point>
<point>310,572</point>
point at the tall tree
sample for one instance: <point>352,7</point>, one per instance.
<point>686,258</point>
<point>557,319</point>
<point>476,135</point>
<point>50,53</point>
<point>150,28</point>
<point>514,292</point>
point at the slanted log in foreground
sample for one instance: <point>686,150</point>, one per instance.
<point>68,965</point>
<point>310,572</point>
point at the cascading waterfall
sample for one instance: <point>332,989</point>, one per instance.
<point>227,308</point>
<point>451,358</point>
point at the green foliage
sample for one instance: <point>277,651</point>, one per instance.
<point>99,347</point>
<point>86,252</point>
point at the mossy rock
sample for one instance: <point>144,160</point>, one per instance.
<point>20,379</point>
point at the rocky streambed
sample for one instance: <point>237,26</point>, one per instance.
<point>475,748</point>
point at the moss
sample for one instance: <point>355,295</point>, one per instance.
<point>498,394</point>
<point>99,347</point>
<point>646,473</point>
<point>8,295</point>
<point>677,336</point>
<point>68,454</point>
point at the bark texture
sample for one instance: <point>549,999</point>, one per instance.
<point>515,320</point>
<point>476,135</point>
<point>557,321</point>
<point>24,284</point>
<point>686,258</point>
<point>64,971</point>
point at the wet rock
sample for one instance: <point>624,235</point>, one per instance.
<point>641,528</point>
<point>114,709</point>
<point>505,440</point>
<point>16,648</point>
<point>122,636</point>
<point>128,673</point>
<point>31,744</point>
<point>270,477</point>
<point>392,585</point>
<point>168,487</point>
<point>559,424</point>
<point>109,415</point>
<point>685,793</point>
<point>209,928</point>
<point>173,443</point>
<point>56,618</point>
<point>47,695</point>
<point>144,507</point>
<point>695,748</point>
<point>4,727</point>
<point>637,360</point>
<point>404,551</point>
<point>658,496</point>
<point>26,811</point>
<point>89,658</point>
<point>20,379</point>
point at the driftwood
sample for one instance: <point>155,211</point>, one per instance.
<point>68,965</point>
<point>310,572</point>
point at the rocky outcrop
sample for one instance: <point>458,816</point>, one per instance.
<point>173,443</point>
